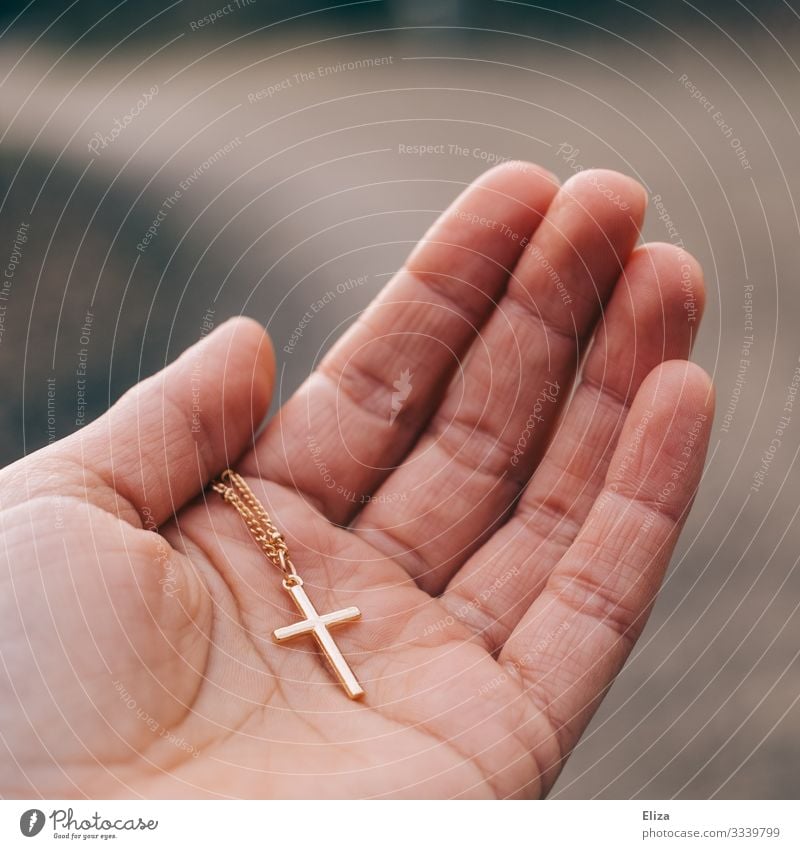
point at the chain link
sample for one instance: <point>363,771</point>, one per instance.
<point>234,489</point>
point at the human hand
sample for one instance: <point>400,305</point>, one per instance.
<point>504,536</point>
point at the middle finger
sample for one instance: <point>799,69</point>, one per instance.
<point>483,443</point>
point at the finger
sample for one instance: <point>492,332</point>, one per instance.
<point>336,439</point>
<point>573,641</point>
<point>653,316</point>
<point>162,442</point>
<point>470,465</point>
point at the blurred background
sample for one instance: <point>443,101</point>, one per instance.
<point>165,166</point>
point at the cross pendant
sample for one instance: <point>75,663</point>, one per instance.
<point>317,625</point>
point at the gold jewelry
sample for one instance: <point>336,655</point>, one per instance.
<point>234,489</point>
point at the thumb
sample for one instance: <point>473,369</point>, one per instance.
<point>162,442</point>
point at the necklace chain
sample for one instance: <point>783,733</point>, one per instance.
<point>234,489</point>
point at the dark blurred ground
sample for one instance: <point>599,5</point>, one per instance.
<point>303,187</point>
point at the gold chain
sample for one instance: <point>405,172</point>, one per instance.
<point>234,489</point>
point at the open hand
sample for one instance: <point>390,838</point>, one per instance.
<point>503,531</point>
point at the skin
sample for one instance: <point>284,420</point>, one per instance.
<point>504,546</point>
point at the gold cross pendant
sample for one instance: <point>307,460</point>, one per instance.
<point>317,625</point>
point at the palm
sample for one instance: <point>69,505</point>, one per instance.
<point>492,621</point>
<point>418,690</point>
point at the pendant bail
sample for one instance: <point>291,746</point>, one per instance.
<point>287,567</point>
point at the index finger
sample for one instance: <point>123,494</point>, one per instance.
<point>414,333</point>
